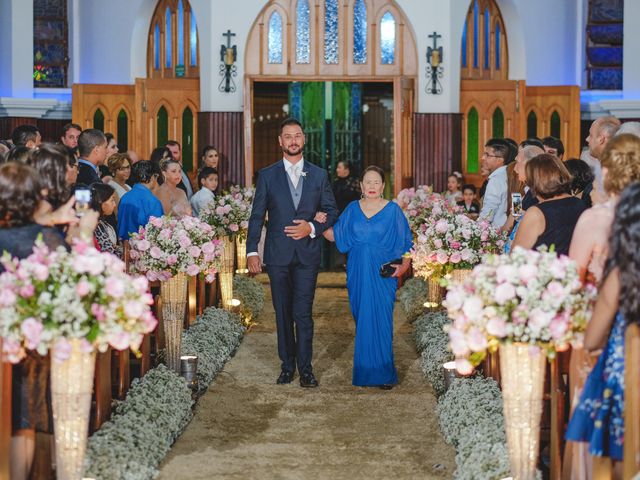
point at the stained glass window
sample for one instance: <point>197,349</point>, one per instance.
<point>498,123</point>
<point>50,43</point>
<point>487,37</point>
<point>167,39</point>
<point>331,22</point>
<point>387,39</point>
<point>156,47</point>
<point>497,46</point>
<point>162,126</point>
<point>302,32</point>
<point>123,131</point>
<point>180,29</point>
<point>532,124</point>
<point>359,32</point>
<point>472,141</point>
<point>464,44</point>
<point>187,139</point>
<point>98,120</point>
<point>555,124</point>
<point>193,40</point>
<point>475,34</point>
<point>275,38</point>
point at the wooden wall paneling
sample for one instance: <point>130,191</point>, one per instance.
<point>225,131</point>
<point>50,129</point>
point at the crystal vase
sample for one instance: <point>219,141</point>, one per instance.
<point>434,293</point>
<point>522,377</point>
<point>241,254</point>
<point>226,271</point>
<point>71,387</point>
<point>174,303</point>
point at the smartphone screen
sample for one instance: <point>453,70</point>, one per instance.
<point>516,205</point>
<point>83,201</point>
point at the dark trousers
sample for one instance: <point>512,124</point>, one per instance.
<point>293,287</point>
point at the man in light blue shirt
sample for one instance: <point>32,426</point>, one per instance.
<point>139,204</point>
<point>494,205</point>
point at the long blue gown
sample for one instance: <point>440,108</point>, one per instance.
<point>370,242</point>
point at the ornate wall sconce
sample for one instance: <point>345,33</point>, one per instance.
<point>228,69</point>
<point>434,66</point>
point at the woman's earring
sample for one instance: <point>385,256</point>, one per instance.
<point>362,195</point>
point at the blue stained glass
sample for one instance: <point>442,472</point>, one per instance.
<point>156,47</point>
<point>167,39</point>
<point>302,32</point>
<point>359,32</point>
<point>464,44</point>
<point>331,31</point>
<point>487,37</point>
<point>275,38</point>
<point>193,39</point>
<point>497,46</point>
<point>475,34</point>
<point>180,31</point>
<point>387,39</point>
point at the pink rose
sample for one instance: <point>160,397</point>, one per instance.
<point>555,290</point>
<point>156,222</point>
<point>437,243</point>
<point>193,270</point>
<point>152,276</point>
<point>455,257</point>
<point>558,326</point>
<point>155,252</point>
<point>442,226</point>
<point>32,330</point>
<point>12,350</point>
<point>27,291</point>
<point>99,312</point>
<point>458,342</point>
<point>455,298</point>
<point>142,245</point>
<point>497,327</point>
<point>472,307</point>
<point>134,309</point>
<point>61,350</point>
<point>244,224</point>
<point>463,366</point>
<point>149,322</point>
<point>172,259</point>
<point>165,234</point>
<point>208,248</point>
<point>466,255</point>
<point>527,272</point>
<point>442,258</point>
<point>83,288</point>
<point>476,340</point>
<point>194,251</point>
<point>184,241</point>
<point>455,245</point>
<point>234,227</point>
<point>220,210</point>
<point>7,297</point>
<point>41,272</point>
<point>114,287</point>
<point>504,292</point>
<point>120,340</point>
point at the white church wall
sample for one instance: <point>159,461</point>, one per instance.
<point>631,69</point>
<point>16,74</point>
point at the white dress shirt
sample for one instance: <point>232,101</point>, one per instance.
<point>494,205</point>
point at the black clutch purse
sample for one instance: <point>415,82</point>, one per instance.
<point>386,269</point>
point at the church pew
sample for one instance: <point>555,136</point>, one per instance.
<point>559,368</point>
<point>121,374</point>
<point>192,296</point>
<point>5,418</point>
<point>102,390</point>
<point>631,455</point>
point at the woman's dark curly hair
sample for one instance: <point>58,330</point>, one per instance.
<point>51,161</point>
<point>581,172</point>
<point>20,194</point>
<point>624,252</point>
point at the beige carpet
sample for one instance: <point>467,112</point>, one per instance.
<point>246,426</point>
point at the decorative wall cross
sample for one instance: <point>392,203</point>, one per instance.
<point>434,68</point>
<point>228,69</point>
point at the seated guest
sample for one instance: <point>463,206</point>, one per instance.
<point>208,181</point>
<point>120,169</point>
<point>468,202</point>
<point>138,205</point>
<point>103,201</point>
<point>174,200</point>
<point>552,220</point>
<point>454,188</point>
<point>92,145</point>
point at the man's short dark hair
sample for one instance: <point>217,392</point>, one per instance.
<point>500,147</point>
<point>173,143</point>
<point>533,142</point>
<point>290,121</point>
<point>513,150</point>
<point>23,134</point>
<point>144,170</point>
<point>469,186</point>
<point>88,140</point>
<point>205,172</point>
<point>555,143</point>
<point>69,126</point>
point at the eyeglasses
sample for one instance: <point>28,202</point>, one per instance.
<point>485,154</point>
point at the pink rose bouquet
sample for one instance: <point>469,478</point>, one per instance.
<point>419,204</point>
<point>528,296</point>
<point>229,214</point>
<point>168,245</point>
<point>447,241</point>
<point>52,297</point>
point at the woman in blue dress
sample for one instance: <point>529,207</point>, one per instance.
<point>373,231</point>
<point>598,418</point>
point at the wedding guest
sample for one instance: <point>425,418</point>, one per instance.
<point>468,202</point>
<point>103,201</point>
<point>583,178</point>
<point>70,134</point>
<point>346,187</point>
<point>454,188</point>
<point>494,203</point>
<point>18,154</point>
<point>601,131</point>
<point>553,146</point>
<point>52,161</point>
<point>26,136</point>
<point>373,231</point>
<point>210,157</point>
<point>185,181</point>
<point>72,171</point>
<point>120,169</point>
<point>552,220</point>
<point>629,127</point>
<point>208,181</point>
<point>138,205</point>
<point>174,200</point>
<point>598,418</point>
<point>112,149</point>
<point>92,145</point>
<point>158,156</point>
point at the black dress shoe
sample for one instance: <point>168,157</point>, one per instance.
<point>386,386</point>
<point>285,377</point>
<point>307,380</point>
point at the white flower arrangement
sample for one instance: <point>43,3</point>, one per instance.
<point>419,204</point>
<point>229,214</point>
<point>52,297</point>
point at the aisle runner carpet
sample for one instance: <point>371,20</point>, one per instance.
<point>245,426</point>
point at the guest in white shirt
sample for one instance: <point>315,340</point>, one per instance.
<point>208,181</point>
<point>120,168</point>
<point>494,206</point>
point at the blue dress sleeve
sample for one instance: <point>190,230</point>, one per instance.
<point>342,231</point>
<point>403,237</point>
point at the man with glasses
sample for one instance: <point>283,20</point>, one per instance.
<point>494,207</point>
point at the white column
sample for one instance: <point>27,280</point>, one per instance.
<point>631,66</point>
<point>16,48</point>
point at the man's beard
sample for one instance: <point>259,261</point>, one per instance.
<point>293,154</point>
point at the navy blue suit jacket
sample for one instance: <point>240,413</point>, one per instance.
<point>273,196</point>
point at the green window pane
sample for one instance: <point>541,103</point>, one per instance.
<point>123,131</point>
<point>187,139</point>
<point>532,125</point>
<point>498,123</point>
<point>162,127</point>
<point>472,141</point>
<point>98,120</point>
<point>555,124</point>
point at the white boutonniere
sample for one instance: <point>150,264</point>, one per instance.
<point>303,173</point>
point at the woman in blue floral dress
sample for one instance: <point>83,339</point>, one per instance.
<point>598,418</point>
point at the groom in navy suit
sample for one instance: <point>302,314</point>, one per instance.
<point>291,192</point>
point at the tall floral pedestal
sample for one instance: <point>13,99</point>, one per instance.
<point>226,271</point>
<point>459,275</point>
<point>174,303</point>
<point>434,293</point>
<point>522,376</point>
<point>241,254</point>
<point>71,387</point>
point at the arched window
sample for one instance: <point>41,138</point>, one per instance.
<point>387,39</point>
<point>170,54</point>
<point>532,124</point>
<point>303,44</point>
<point>162,126</point>
<point>50,43</point>
<point>187,139</point>
<point>472,141</point>
<point>122,131</point>
<point>359,32</point>
<point>483,33</point>
<point>497,123</point>
<point>331,31</point>
<point>98,120</point>
<point>555,124</point>
<point>275,38</point>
